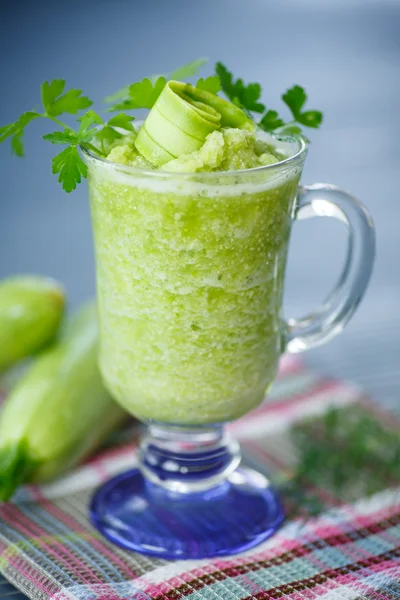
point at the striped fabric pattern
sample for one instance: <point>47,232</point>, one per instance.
<point>48,549</point>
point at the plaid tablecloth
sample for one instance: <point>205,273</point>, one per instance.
<point>348,551</point>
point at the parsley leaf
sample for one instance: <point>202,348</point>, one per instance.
<point>310,118</point>
<point>181,73</point>
<point>250,96</point>
<point>55,102</point>
<point>17,145</point>
<point>68,164</point>
<point>188,70</point>
<point>210,84</point>
<point>19,124</point>
<point>4,131</point>
<point>50,91</point>
<point>144,94</point>
<point>26,118</point>
<point>245,96</point>
<point>226,79</point>
<point>107,135</point>
<point>270,121</point>
<point>68,136</point>
<point>123,93</point>
<point>123,121</point>
<point>16,131</point>
<point>70,167</point>
<point>291,129</point>
<point>295,98</point>
<point>125,104</point>
<point>86,132</point>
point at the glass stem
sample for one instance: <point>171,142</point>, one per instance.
<point>187,459</point>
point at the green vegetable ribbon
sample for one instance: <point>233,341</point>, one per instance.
<point>182,118</point>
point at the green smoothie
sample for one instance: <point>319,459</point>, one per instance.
<point>192,210</point>
<point>191,257</point>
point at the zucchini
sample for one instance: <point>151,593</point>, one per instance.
<point>31,310</point>
<point>58,412</point>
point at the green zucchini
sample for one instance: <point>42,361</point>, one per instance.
<point>58,412</point>
<point>31,310</point>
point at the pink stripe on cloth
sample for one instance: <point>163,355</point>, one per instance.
<point>165,587</point>
<point>87,567</point>
<point>75,526</point>
<point>353,580</point>
<point>16,563</point>
<point>282,545</point>
<point>99,467</point>
<point>385,534</point>
<point>171,584</point>
<point>369,520</point>
<point>289,363</point>
<point>29,529</point>
<point>286,403</point>
<point>125,449</point>
<point>56,549</point>
<point>289,406</point>
<point>36,493</point>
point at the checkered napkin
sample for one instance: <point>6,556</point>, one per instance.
<point>48,549</point>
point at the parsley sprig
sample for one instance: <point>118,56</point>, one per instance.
<point>93,133</point>
<point>245,96</point>
<point>248,98</point>
<point>345,454</point>
<point>68,164</point>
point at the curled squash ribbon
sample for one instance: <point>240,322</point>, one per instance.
<point>182,118</point>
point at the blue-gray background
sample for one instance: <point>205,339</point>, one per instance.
<point>345,52</point>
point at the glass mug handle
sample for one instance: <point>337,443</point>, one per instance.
<point>329,319</point>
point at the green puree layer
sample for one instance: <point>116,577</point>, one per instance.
<point>229,149</point>
<point>190,281</point>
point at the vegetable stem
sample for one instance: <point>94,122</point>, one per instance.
<point>46,116</point>
<point>90,146</point>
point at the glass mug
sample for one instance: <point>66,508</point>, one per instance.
<point>190,275</point>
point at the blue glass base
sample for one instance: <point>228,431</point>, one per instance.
<point>234,516</point>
